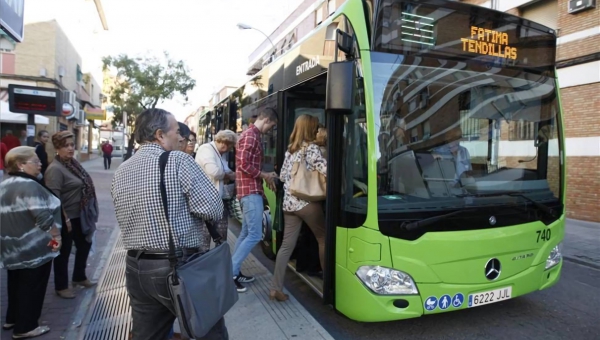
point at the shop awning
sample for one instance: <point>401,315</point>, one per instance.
<point>18,118</point>
<point>94,113</point>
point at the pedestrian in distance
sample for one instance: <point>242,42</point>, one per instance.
<point>73,185</point>
<point>107,150</point>
<point>191,145</point>
<point>3,152</point>
<point>211,157</point>
<point>40,149</point>
<point>11,140</point>
<point>296,210</point>
<point>184,131</point>
<point>136,194</point>
<point>29,240</point>
<point>249,190</point>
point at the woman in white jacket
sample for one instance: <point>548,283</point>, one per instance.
<point>211,157</point>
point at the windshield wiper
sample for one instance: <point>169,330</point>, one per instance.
<point>548,211</point>
<point>428,221</point>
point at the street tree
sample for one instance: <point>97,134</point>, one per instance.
<point>142,83</point>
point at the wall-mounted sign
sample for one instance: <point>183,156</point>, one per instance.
<point>489,42</point>
<point>11,18</point>
<point>93,113</point>
<point>34,100</point>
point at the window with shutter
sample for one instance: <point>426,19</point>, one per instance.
<point>544,12</point>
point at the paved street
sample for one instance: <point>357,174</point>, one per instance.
<point>569,310</point>
<point>59,314</point>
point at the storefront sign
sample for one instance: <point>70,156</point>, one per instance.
<point>11,18</point>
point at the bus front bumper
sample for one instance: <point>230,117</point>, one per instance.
<point>359,303</point>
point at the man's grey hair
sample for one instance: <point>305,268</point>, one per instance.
<point>150,121</point>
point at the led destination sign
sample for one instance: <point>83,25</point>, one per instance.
<point>465,33</point>
<point>34,100</point>
<point>489,42</point>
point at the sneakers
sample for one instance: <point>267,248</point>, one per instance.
<point>240,287</point>
<point>245,279</point>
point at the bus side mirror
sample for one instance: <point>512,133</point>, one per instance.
<point>340,87</point>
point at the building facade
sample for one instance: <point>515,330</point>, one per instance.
<point>46,58</point>
<point>578,67</point>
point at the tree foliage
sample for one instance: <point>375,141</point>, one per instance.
<point>143,83</point>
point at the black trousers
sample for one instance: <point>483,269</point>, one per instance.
<point>152,310</point>
<point>26,292</point>
<point>61,262</point>
<point>107,160</point>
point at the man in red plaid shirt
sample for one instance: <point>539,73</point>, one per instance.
<point>249,186</point>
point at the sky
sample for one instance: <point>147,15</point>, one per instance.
<point>202,33</point>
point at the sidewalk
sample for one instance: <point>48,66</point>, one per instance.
<point>60,314</point>
<point>253,316</point>
<point>106,315</point>
<point>582,243</point>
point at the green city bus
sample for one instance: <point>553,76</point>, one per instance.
<point>446,165</point>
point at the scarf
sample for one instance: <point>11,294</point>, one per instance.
<point>40,182</point>
<point>28,176</point>
<point>89,192</point>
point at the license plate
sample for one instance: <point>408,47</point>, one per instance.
<point>490,296</point>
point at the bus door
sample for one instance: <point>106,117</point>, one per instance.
<point>302,99</point>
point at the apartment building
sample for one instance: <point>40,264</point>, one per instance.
<point>577,23</point>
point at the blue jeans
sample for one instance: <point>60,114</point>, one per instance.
<point>251,234</point>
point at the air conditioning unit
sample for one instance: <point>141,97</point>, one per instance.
<point>70,97</point>
<point>81,118</point>
<point>576,6</point>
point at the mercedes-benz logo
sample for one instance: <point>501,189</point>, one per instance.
<point>493,269</point>
<point>492,220</point>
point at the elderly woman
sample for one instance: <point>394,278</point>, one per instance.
<point>211,157</point>
<point>75,189</point>
<point>30,239</point>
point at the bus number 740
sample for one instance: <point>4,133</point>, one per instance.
<point>544,235</point>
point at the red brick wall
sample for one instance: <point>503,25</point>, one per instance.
<point>571,23</point>
<point>579,48</point>
<point>583,185</point>
<point>581,108</point>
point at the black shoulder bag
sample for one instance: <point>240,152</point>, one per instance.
<point>202,287</point>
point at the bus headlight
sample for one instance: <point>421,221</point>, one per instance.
<point>387,281</point>
<point>554,257</point>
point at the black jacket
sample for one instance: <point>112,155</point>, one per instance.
<point>40,150</point>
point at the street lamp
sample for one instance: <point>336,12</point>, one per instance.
<point>248,27</point>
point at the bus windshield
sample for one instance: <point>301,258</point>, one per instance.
<point>448,131</point>
<point>465,107</point>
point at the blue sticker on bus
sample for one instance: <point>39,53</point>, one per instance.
<point>445,301</point>
<point>458,300</point>
<point>431,303</point>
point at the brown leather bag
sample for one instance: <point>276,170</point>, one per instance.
<point>305,184</point>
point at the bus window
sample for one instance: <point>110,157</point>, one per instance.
<point>269,140</point>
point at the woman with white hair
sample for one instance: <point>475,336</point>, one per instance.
<point>211,157</point>
<point>30,239</point>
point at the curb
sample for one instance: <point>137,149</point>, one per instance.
<point>72,333</point>
<point>581,262</point>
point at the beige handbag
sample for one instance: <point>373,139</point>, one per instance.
<point>305,184</point>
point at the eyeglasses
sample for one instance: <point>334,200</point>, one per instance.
<point>36,161</point>
<point>191,142</point>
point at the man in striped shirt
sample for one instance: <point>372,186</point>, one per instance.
<point>248,184</point>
